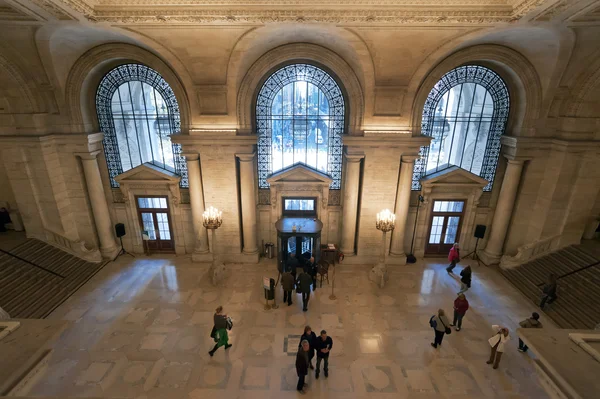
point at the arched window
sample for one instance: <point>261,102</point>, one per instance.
<point>465,113</point>
<point>300,119</point>
<point>137,112</point>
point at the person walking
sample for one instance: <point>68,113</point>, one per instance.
<point>302,366</point>
<point>323,347</point>
<point>531,322</point>
<point>219,331</point>
<point>549,291</point>
<point>461,305</point>
<point>497,344</point>
<point>453,257</point>
<point>311,268</point>
<point>287,282</point>
<point>465,279</point>
<point>303,285</point>
<point>311,337</point>
<point>440,325</point>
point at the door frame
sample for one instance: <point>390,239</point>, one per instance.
<point>166,210</point>
<point>433,214</point>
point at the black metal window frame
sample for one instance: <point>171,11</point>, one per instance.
<point>298,212</point>
<point>264,119</point>
<point>431,126</point>
<point>110,83</point>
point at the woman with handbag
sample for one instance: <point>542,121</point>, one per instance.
<point>440,325</point>
<point>219,331</point>
<point>497,343</point>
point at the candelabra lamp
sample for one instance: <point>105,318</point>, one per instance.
<point>212,219</point>
<point>386,221</point>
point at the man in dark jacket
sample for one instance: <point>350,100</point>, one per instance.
<point>532,322</point>
<point>292,264</point>
<point>549,291</point>
<point>303,285</point>
<point>310,267</point>
<point>323,347</point>
<point>287,282</point>
<point>302,365</point>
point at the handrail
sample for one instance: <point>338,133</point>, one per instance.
<point>31,263</point>
<point>573,272</point>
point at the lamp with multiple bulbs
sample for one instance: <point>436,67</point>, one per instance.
<point>212,218</point>
<point>386,221</point>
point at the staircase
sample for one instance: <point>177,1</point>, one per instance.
<point>28,292</point>
<point>578,303</point>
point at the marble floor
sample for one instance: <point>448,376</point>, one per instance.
<point>140,329</point>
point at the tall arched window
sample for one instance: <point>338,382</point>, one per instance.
<point>465,113</point>
<point>300,119</point>
<point>137,112</point>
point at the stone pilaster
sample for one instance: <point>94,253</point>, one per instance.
<point>504,208</point>
<point>247,190</point>
<point>201,252</point>
<point>350,206</point>
<point>397,254</point>
<point>104,226</point>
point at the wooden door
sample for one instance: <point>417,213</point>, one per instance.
<point>444,226</point>
<point>155,221</point>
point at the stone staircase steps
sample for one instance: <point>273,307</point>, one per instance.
<point>578,303</point>
<point>29,292</point>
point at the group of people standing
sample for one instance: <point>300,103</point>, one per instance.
<point>441,325</point>
<point>302,282</point>
<point>310,345</point>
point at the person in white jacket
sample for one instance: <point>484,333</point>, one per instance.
<point>497,343</point>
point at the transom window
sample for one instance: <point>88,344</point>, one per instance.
<point>465,113</point>
<point>137,112</point>
<point>300,119</point>
<point>299,207</point>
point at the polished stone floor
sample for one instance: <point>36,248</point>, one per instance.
<point>140,329</point>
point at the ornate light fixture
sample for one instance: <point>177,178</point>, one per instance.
<point>212,218</point>
<point>386,221</point>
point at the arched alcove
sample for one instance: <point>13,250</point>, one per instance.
<point>517,72</point>
<point>300,53</point>
<point>93,65</point>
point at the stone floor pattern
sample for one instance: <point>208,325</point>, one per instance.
<point>140,329</point>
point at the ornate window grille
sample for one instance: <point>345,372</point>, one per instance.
<point>300,119</point>
<point>137,112</point>
<point>465,113</point>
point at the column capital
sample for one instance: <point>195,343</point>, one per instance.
<point>354,157</point>
<point>516,160</point>
<point>246,157</point>
<point>191,156</point>
<point>87,155</point>
<point>409,158</point>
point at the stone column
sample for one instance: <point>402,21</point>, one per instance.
<point>247,190</point>
<point>201,252</point>
<point>397,254</point>
<point>506,202</point>
<point>95,188</point>
<point>350,209</point>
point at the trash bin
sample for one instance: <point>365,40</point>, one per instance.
<point>270,293</point>
<point>270,250</point>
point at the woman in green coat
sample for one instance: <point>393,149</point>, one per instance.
<point>219,332</point>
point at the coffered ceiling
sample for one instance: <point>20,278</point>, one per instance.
<point>355,12</point>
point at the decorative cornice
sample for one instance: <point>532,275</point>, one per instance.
<point>162,15</point>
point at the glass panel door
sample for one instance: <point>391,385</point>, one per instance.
<point>444,228</point>
<point>155,223</point>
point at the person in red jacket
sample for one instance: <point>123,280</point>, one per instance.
<point>461,305</point>
<point>453,257</point>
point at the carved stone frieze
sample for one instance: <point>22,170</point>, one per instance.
<point>335,197</point>
<point>264,197</point>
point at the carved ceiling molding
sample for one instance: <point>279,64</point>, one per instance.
<point>53,9</point>
<point>272,3</point>
<point>193,15</point>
